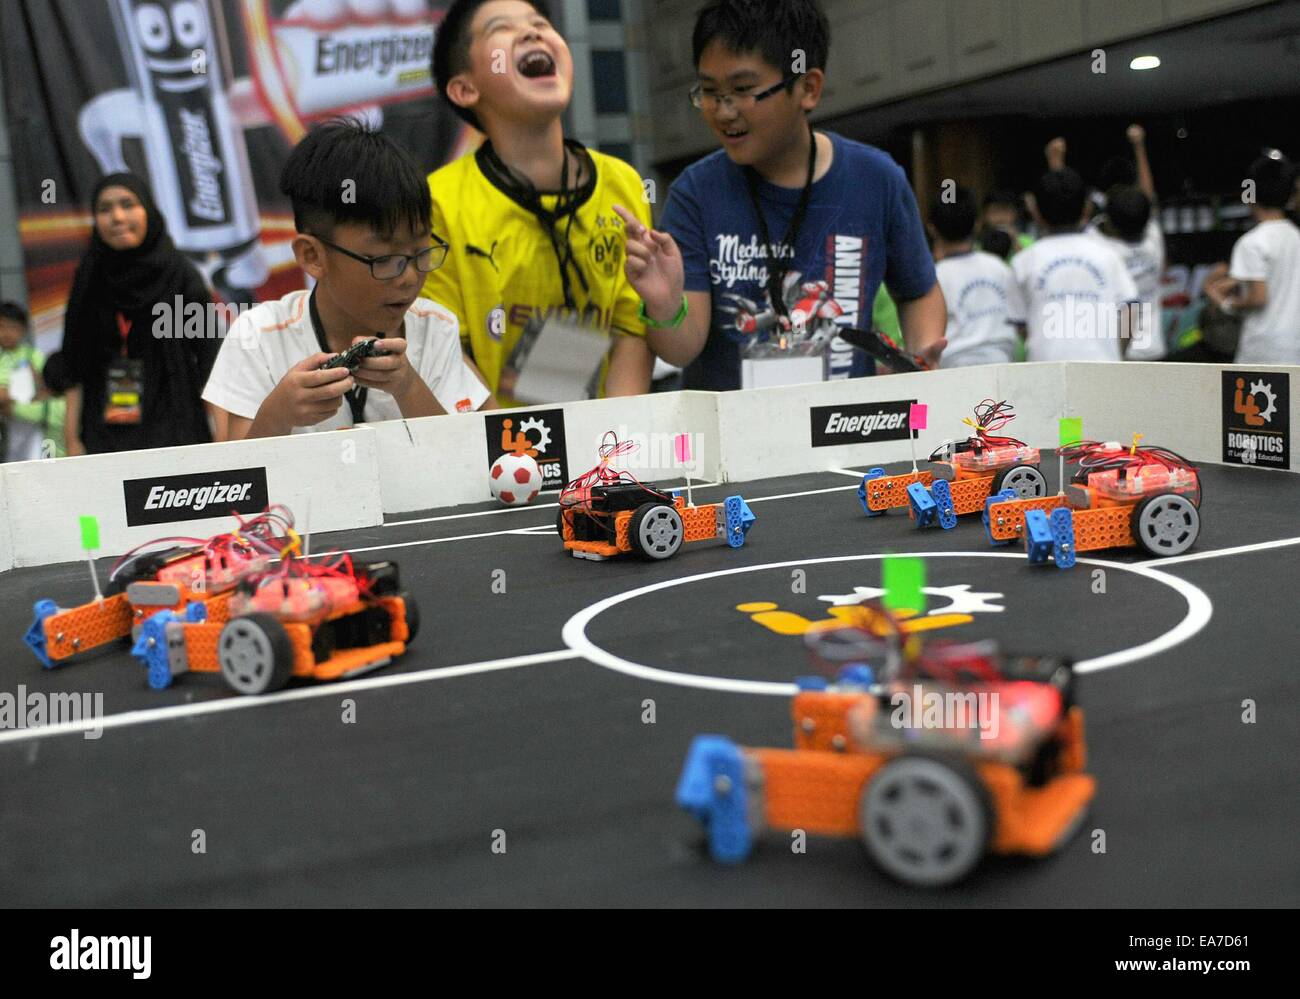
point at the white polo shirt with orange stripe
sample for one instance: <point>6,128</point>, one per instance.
<point>266,341</point>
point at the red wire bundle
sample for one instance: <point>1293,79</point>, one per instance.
<point>263,534</point>
<point>991,416</point>
<point>1094,456</point>
<point>579,490</point>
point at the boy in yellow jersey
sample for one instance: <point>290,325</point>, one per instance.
<point>536,222</point>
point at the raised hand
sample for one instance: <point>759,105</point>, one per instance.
<point>654,267</point>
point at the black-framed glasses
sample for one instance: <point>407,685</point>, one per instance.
<point>392,265</point>
<point>699,98</point>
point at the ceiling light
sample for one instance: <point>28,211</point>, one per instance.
<point>1145,62</point>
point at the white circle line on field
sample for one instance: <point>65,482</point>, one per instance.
<point>1199,611</point>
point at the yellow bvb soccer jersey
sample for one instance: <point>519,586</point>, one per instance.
<point>502,268</point>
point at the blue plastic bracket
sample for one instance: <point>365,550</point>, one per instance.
<point>922,504</point>
<point>856,675</point>
<point>739,520</point>
<point>151,647</point>
<point>34,636</point>
<point>1038,537</point>
<point>987,515</point>
<point>712,788</point>
<point>872,473</point>
<point>941,493</point>
<point>1062,525</point>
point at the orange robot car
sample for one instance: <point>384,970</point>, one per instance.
<point>323,620</point>
<point>150,578</point>
<point>934,754</point>
<point>1120,497</point>
<point>963,474</point>
<point>606,513</point>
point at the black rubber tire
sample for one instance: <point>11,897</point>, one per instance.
<point>384,579</point>
<point>267,635</point>
<point>559,523</point>
<point>412,616</point>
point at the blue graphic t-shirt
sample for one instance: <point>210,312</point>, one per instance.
<point>862,227</point>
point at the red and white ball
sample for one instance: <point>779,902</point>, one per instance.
<point>515,479</point>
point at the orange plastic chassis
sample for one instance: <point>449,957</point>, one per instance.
<point>968,491</point>
<point>201,644</point>
<point>699,523</point>
<point>818,785</point>
<point>1102,523</point>
<point>80,629</point>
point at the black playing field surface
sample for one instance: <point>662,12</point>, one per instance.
<point>394,789</point>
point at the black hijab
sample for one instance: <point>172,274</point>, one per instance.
<point>127,281</point>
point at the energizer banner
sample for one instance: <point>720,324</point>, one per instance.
<point>172,498</point>
<point>860,423</point>
<point>203,99</point>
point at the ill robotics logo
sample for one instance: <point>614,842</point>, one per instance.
<point>1256,418</point>
<point>538,434</point>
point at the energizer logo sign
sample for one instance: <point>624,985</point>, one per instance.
<point>194,497</point>
<point>859,423</point>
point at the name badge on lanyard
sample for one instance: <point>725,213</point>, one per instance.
<point>124,386</point>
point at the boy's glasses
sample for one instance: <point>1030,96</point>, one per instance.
<point>737,100</point>
<point>392,265</point>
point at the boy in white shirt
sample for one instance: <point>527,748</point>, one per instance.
<point>361,208</point>
<point>975,286</point>
<point>1263,280</point>
<point>1129,226</point>
<point>1071,293</point>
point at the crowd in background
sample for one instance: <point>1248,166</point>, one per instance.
<point>1068,271</point>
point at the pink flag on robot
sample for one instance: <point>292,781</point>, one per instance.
<point>682,448</point>
<point>917,416</point>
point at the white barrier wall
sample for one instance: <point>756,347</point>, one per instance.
<point>1179,406</point>
<point>6,544</point>
<point>439,461</point>
<point>349,479</point>
<point>330,481</point>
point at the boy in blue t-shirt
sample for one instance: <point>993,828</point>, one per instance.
<point>777,193</point>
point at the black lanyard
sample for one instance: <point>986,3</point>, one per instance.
<point>776,271</point>
<point>355,396</point>
<point>522,191</point>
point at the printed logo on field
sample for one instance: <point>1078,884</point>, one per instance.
<point>963,603</point>
<point>1256,418</point>
<point>538,434</point>
<point>862,423</point>
<point>174,498</point>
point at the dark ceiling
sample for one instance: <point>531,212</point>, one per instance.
<point>1254,55</point>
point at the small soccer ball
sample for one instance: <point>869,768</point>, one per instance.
<point>515,479</point>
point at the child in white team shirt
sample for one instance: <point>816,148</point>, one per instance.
<point>1071,293</point>
<point>1263,280</point>
<point>361,207</point>
<point>1129,226</point>
<point>975,286</point>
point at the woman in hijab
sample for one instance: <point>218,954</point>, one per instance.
<point>132,386</point>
